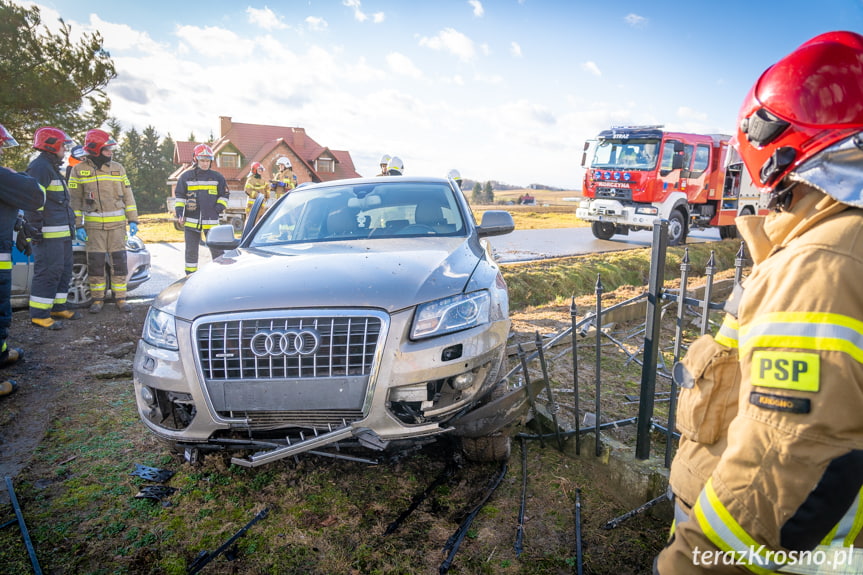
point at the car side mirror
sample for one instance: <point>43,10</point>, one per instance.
<point>495,223</point>
<point>222,238</point>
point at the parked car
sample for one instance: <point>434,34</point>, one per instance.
<point>362,312</point>
<point>137,259</point>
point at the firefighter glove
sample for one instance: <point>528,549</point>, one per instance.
<point>81,234</point>
<point>133,228</point>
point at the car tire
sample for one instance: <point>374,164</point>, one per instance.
<point>79,284</point>
<point>602,230</point>
<point>495,447</point>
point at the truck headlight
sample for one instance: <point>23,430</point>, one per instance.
<point>160,329</point>
<point>451,314</point>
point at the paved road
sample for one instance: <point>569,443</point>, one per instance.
<point>528,245</point>
<point>167,259</point>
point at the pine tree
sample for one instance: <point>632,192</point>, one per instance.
<point>49,80</point>
<point>476,195</point>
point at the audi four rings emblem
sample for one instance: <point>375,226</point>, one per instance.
<point>290,343</point>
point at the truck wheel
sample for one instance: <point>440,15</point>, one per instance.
<point>676,228</point>
<point>727,232</point>
<point>79,284</point>
<point>602,230</point>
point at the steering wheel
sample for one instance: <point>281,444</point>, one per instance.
<point>416,229</point>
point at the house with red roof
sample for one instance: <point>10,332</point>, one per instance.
<point>240,145</point>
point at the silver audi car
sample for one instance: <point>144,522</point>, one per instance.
<point>362,313</point>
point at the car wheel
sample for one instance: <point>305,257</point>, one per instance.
<point>676,228</point>
<point>237,222</point>
<point>79,284</point>
<point>602,230</point>
<point>495,447</point>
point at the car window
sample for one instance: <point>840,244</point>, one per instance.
<point>362,211</point>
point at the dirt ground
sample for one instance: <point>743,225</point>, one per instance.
<point>54,361</point>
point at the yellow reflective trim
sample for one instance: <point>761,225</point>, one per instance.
<point>802,342</point>
<point>793,370</point>
<point>5,265</point>
<point>84,172</point>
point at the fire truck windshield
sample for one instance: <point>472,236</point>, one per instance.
<point>625,155</point>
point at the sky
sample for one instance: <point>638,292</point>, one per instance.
<point>505,90</point>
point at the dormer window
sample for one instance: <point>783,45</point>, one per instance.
<point>229,160</point>
<point>325,165</point>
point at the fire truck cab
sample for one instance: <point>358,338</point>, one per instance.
<point>636,175</point>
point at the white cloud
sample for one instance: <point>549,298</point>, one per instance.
<point>688,114</point>
<point>592,68</point>
<point>359,15</point>
<point>265,18</point>
<point>378,17</point>
<point>401,64</point>
<point>452,41</point>
<point>478,10</point>
<point>515,49</point>
<point>212,41</point>
<point>316,24</point>
<point>635,20</point>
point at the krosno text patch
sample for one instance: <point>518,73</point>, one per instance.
<point>793,370</point>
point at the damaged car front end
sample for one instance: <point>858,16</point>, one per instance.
<point>360,313</point>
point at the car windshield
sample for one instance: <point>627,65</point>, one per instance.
<point>626,155</point>
<point>362,211</point>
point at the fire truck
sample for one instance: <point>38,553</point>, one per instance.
<point>637,175</point>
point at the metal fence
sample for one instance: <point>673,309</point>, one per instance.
<point>654,355</point>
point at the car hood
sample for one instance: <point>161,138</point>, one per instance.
<point>385,274</point>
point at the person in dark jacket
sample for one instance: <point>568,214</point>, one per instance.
<point>201,196</point>
<point>52,239</point>
<point>17,192</point>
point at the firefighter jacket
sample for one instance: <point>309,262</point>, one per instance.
<point>101,195</point>
<point>284,182</point>
<point>17,192</point>
<point>787,478</point>
<point>255,185</point>
<point>55,219</point>
<point>201,196</point>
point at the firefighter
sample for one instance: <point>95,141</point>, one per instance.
<point>455,176</point>
<point>52,227</point>
<point>395,167</point>
<point>103,202</point>
<point>202,195</point>
<point>75,156</point>
<point>17,192</point>
<point>770,466</point>
<point>285,180</point>
<point>385,160</point>
<point>255,185</point>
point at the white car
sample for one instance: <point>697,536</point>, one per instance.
<point>137,259</point>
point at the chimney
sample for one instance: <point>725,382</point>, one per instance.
<point>299,143</point>
<point>225,125</point>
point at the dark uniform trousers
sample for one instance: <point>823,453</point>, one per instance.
<point>52,271</point>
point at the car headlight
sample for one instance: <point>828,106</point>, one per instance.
<point>160,329</point>
<point>134,243</point>
<point>451,314</point>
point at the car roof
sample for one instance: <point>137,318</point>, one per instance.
<point>379,180</point>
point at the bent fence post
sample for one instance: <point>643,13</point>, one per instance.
<point>678,340</point>
<point>651,339</point>
<point>598,374</point>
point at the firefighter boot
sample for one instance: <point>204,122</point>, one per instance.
<point>66,314</point>
<point>124,306</point>
<point>10,355</point>
<point>96,306</point>
<point>7,387</point>
<point>47,323</point>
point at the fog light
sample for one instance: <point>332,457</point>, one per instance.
<point>147,396</point>
<point>463,381</point>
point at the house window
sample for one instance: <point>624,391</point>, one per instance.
<point>227,160</point>
<point>327,165</point>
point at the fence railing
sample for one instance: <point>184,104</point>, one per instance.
<point>661,302</point>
